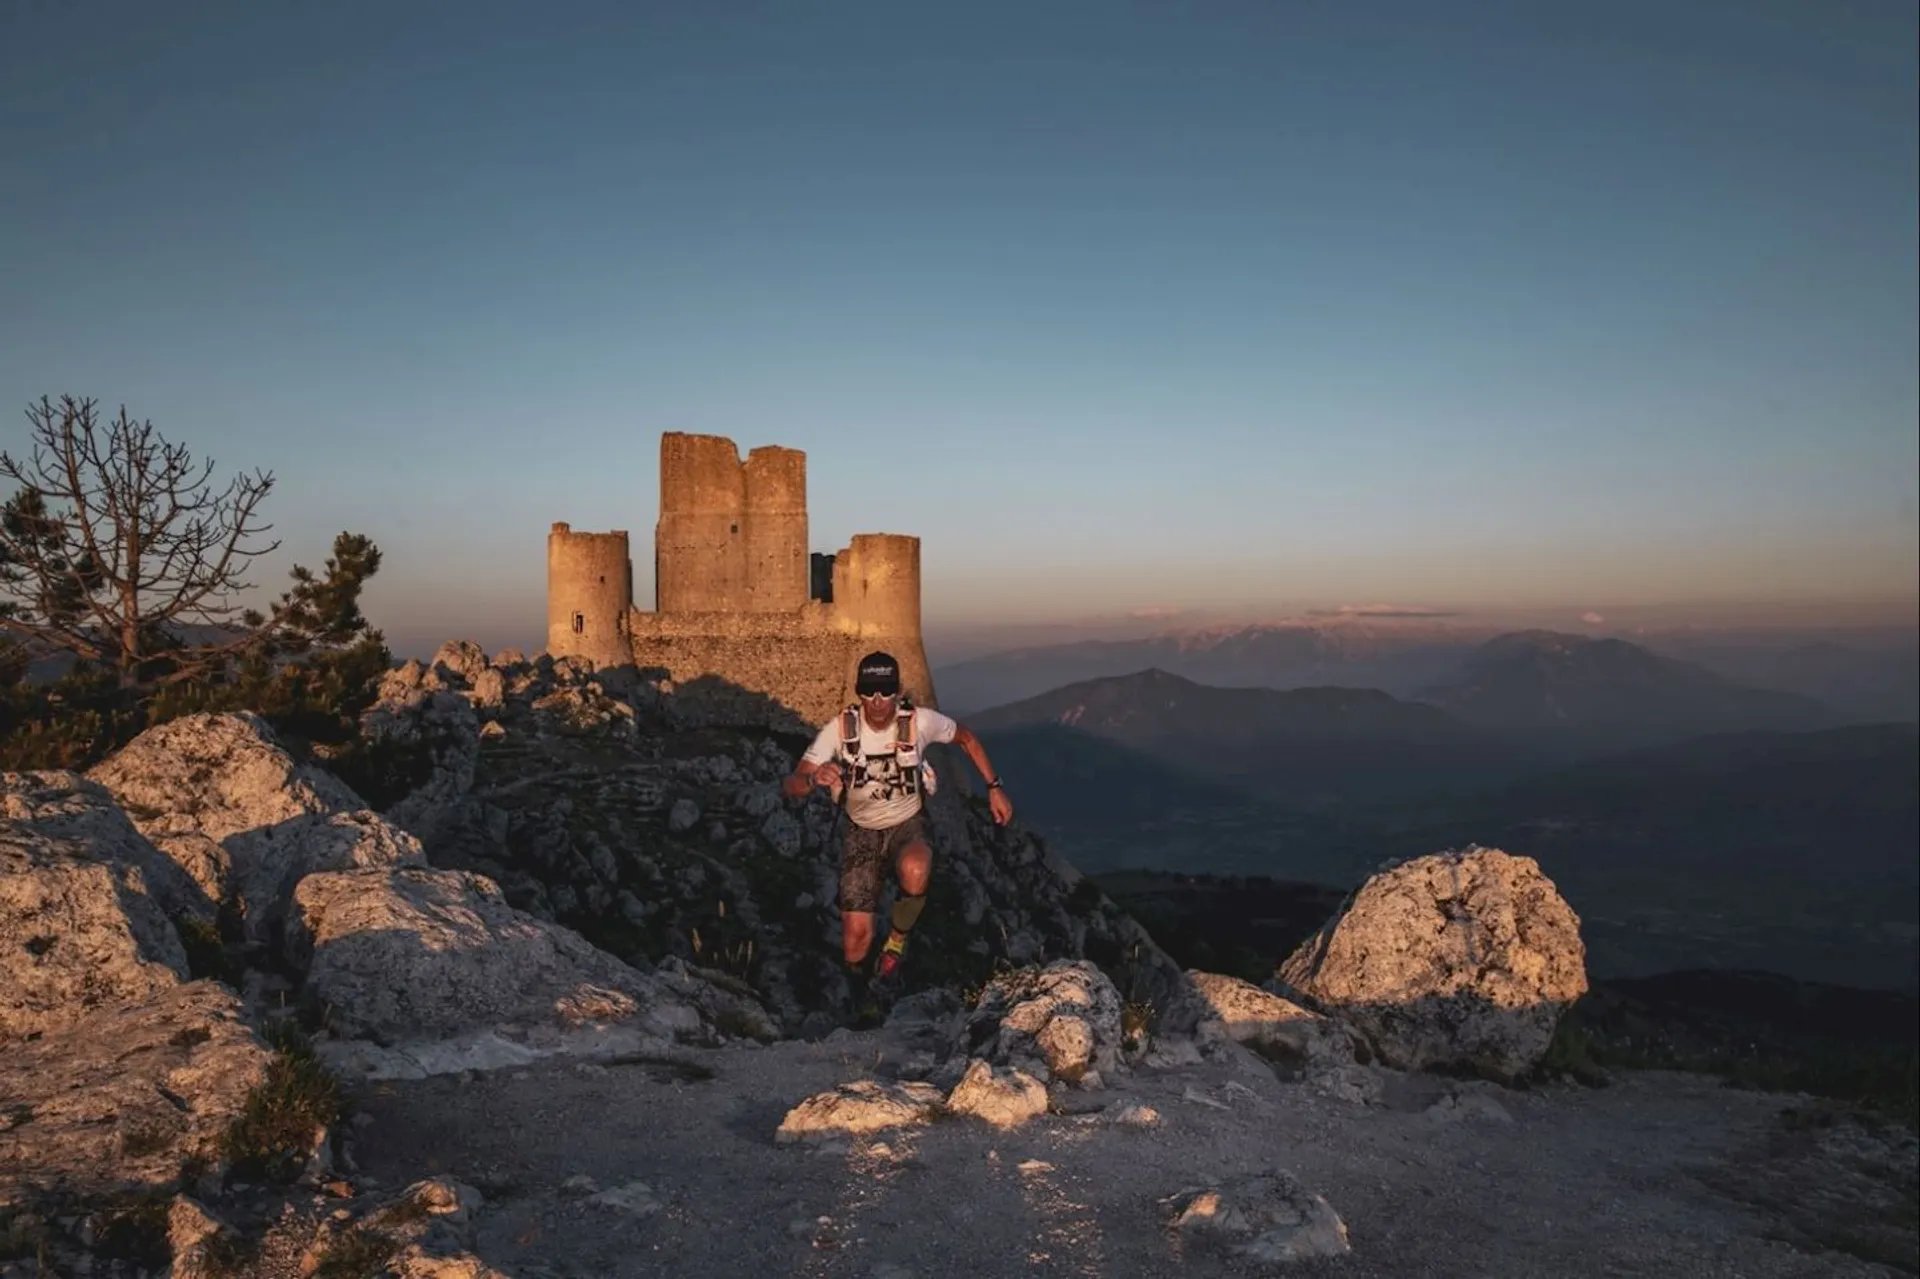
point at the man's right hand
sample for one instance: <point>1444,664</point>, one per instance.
<point>798,784</point>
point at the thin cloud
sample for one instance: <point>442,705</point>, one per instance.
<point>1381,610</point>
<point>1156,612</point>
<point>1591,618</point>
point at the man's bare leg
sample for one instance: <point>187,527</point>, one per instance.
<point>856,935</point>
<point>915,867</point>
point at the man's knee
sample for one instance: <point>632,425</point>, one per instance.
<point>916,865</point>
<point>856,935</point>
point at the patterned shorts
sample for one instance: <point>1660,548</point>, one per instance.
<point>865,857</point>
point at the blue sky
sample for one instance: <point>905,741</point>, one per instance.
<point>1251,305</point>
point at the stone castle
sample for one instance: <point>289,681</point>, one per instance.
<point>737,595</point>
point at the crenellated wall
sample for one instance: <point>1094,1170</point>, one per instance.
<point>737,591</point>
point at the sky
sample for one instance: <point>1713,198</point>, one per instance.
<point>1122,308</point>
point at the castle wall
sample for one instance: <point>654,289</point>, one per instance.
<point>589,595</point>
<point>739,617</point>
<point>700,547</point>
<point>775,525</point>
<point>804,660</point>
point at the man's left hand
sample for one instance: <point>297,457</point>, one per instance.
<point>1000,806</point>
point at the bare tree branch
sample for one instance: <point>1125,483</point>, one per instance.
<point>117,540</point>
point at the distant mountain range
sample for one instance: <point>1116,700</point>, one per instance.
<point>1398,657</point>
<point>1301,746</point>
<point>1607,693</point>
<point>1864,676</point>
<point>1527,701</point>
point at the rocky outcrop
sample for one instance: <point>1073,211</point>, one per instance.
<point>1061,1022</point>
<point>223,798</point>
<point>64,805</point>
<point>593,805</point>
<point>78,933</point>
<point>423,1233</point>
<point>415,953</point>
<point>1464,960</point>
<point>128,1099</point>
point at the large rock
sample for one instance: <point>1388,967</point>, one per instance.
<point>413,953</point>
<point>127,1099</point>
<point>77,933</point>
<point>221,797</point>
<point>1277,1028</point>
<point>1267,1218</point>
<point>1061,1021</point>
<point>1461,959</point>
<point>65,805</point>
<point>271,863</point>
<point>1004,1098</point>
<point>857,1109</point>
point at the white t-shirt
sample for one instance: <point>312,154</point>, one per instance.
<point>879,797</point>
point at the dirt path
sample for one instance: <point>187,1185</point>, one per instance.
<point>1579,1183</point>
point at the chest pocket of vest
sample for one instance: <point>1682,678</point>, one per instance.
<point>916,775</point>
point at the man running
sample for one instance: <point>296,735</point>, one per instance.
<point>869,756</point>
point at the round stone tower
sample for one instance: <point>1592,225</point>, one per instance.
<point>589,593</point>
<point>876,599</point>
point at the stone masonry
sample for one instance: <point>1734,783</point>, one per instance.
<point>738,597</point>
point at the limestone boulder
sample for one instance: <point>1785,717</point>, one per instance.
<point>1005,1098</point>
<point>1463,960</point>
<point>490,689</point>
<point>1280,1030</point>
<point>272,862</point>
<point>127,1098</point>
<point>78,933</point>
<point>228,803</point>
<point>1268,1218</point>
<point>463,658</point>
<point>1061,1021</point>
<point>404,953</point>
<point>217,775</point>
<point>65,805</point>
<point>858,1108</point>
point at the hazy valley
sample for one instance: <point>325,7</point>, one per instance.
<point>1693,820</point>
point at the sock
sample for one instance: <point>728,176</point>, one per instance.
<point>906,912</point>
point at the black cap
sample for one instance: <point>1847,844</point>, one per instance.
<point>879,673</point>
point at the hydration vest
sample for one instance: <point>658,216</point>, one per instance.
<point>916,773</point>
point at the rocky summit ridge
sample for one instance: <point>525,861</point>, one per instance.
<point>254,1022</point>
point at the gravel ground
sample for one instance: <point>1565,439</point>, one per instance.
<point>1641,1178</point>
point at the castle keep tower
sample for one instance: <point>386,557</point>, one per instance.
<point>737,595</point>
<point>731,538</point>
<point>589,595</point>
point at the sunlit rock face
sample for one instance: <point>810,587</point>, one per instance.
<point>1460,959</point>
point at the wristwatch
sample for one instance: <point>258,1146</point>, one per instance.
<point>996,784</point>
